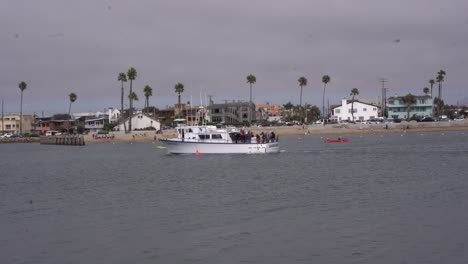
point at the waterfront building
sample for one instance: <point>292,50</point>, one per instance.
<point>233,112</point>
<point>268,112</point>
<point>95,124</point>
<point>139,121</point>
<point>11,123</point>
<point>193,114</point>
<point>113,114</point>
<point>54,123</point>
<point>362,111</point>
<point>398,109</point>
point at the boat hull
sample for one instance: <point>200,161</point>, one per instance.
<point>183,147</point>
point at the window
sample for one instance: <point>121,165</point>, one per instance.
<point>374,109</point>
<point>204,136</point>
<point>244,116</point>
<point>13,118</point>
<point>216,136</point>
<point>8,126</point>
<point>337,111</point>
<point>354,110</point>
<point>216,111</point>
<point>391,102</point>
<point>364,109</point>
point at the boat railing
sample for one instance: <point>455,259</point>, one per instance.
<point>252,141</point>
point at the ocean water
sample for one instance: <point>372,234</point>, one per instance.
<point>392,198</point>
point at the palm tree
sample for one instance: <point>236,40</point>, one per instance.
<point>439,103</point>
<point>431,82</point>
<point>72,97</point>
<point>302,82</point>
<point>131,75</point>
<point>122,78</point>
<point>22,86</point>
<point>148,91</point>
<point>408,100</point>
<point>179,88</point>
<point>133,96</point>
<point>251,79</point>
<point>325,80</point>
<point>426,90</point>
<point>440,79</point>
<point>354,92</point>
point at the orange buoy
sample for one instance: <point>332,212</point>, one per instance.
<point>197,152</point>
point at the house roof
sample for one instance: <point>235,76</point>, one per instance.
<point>126,119</point>
<point>416,96</point>
<point>355,101</point>
<point>95,119</point>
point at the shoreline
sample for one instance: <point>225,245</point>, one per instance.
<point>331,130</point>
<point>327,130</point>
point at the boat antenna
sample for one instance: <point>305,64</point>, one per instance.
<point>191,105</point>
<point>205,109</point>
<point>201,104</point>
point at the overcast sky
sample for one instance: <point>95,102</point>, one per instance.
<point>63,46</point>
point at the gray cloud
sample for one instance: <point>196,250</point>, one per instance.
<point>81,46</point>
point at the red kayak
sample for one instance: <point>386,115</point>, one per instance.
<point>344,140</point>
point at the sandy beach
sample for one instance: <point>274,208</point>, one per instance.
<point>331,130</point>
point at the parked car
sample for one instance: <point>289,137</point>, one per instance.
<point>442,118</point>
<point>458,119</point>
<point>374,121</point>
<point>51,133</point>
<point>5,135</point>
<point>103,132</point>
<point>426,119</point>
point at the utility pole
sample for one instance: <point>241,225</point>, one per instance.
<point>3,116</point>
<point>384,96</point>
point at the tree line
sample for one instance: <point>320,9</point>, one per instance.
<point>409,100</point>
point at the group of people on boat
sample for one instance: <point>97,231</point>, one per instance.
<point>246,137</point>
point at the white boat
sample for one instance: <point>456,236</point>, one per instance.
<point>212,140</point>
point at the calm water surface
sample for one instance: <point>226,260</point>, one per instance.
<point>379,199</point>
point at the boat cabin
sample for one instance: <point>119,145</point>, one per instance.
<point>205,134</point>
